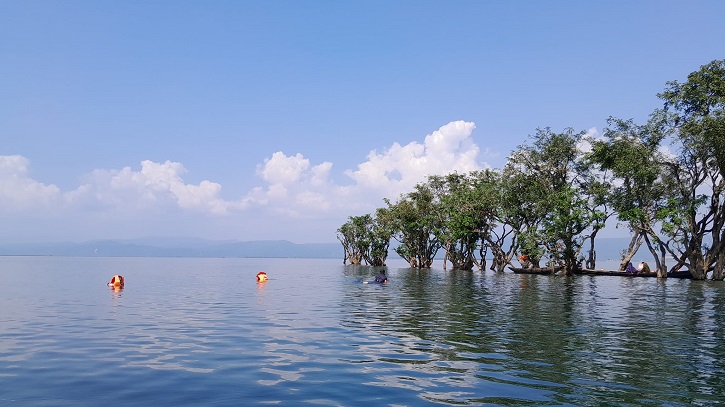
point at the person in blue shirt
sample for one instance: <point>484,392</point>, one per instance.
<point>381,278</point>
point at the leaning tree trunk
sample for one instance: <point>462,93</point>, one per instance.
<point>660,265</point>
<point>634,245</point>
<point>500,259</point>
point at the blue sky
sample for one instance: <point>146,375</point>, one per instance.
<point>279,119</point>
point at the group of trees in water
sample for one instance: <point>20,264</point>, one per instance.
<point>663,180</point>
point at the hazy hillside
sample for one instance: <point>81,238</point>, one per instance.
<point>174,247</point>
<point>607,249</point>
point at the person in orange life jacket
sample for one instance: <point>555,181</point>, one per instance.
<point>524,260</point>
<point>116,281</point>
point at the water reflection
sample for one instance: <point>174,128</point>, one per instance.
<point>316,335</point>
<point>469,337</point>
<point>439,336</point>
<point>261,286</point>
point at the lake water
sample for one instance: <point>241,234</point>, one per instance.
<point>203,332</point>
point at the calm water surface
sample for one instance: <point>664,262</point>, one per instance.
<point>203,332</point>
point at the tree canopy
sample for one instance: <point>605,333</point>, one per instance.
<point>663,180</point>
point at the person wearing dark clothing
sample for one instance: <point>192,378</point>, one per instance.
<point>381,278</point>
<point>630,268</point>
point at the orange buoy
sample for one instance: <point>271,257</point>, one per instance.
<point>116,281</point>
<point>262,277</point>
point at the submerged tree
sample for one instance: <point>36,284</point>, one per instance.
<point>634,159</point>
<point>554,168</point>
<point>597,187</point>
<point>380,233</point>
<point>365,238</point>
<point>519,216</point>
<point>458,219</point>
<point>487,194</point>
<point>353,237</point>
<point>550,198</point>
<point>693,120</point>
<point>415,220</point>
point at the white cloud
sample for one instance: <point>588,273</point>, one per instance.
<point>294,188</point>
<point>399,168</point>
<point>666,153</point>
<point>298,189</point>
<point>319,174</point>
<point>585,144</point>
<point>156,185</point>
<point>20,192</point>
<point>281,169</point>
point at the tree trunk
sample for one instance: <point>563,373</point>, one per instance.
<point>660,266</point>
<point>482,252</point>
<point>592,258</point>
<point>570,255</point>
<point>697,266</point>
<point>499,260</point>
<point>718,273</point>
<point>461,258</point>
<point>634,245</point>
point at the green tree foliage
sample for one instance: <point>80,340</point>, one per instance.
<point>458,218</point>
<point>380,232</point>
<point>597,185</point>
<point>353,235</point>
<point>365,238</point>
<point>416,219</point>
<point>488,192</point>
<point>522,212</point>
<point>560,196</point>
<point>627,151</point>
<point>693,122</point>
<point>664,180</point>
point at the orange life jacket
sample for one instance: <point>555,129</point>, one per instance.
<point>116,281</point>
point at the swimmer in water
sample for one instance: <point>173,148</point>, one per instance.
<point>381,278</point>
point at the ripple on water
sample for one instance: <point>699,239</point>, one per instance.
<point>428,337</point>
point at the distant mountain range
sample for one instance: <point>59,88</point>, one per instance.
<point>607,249</point>
<point>176,247</point>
